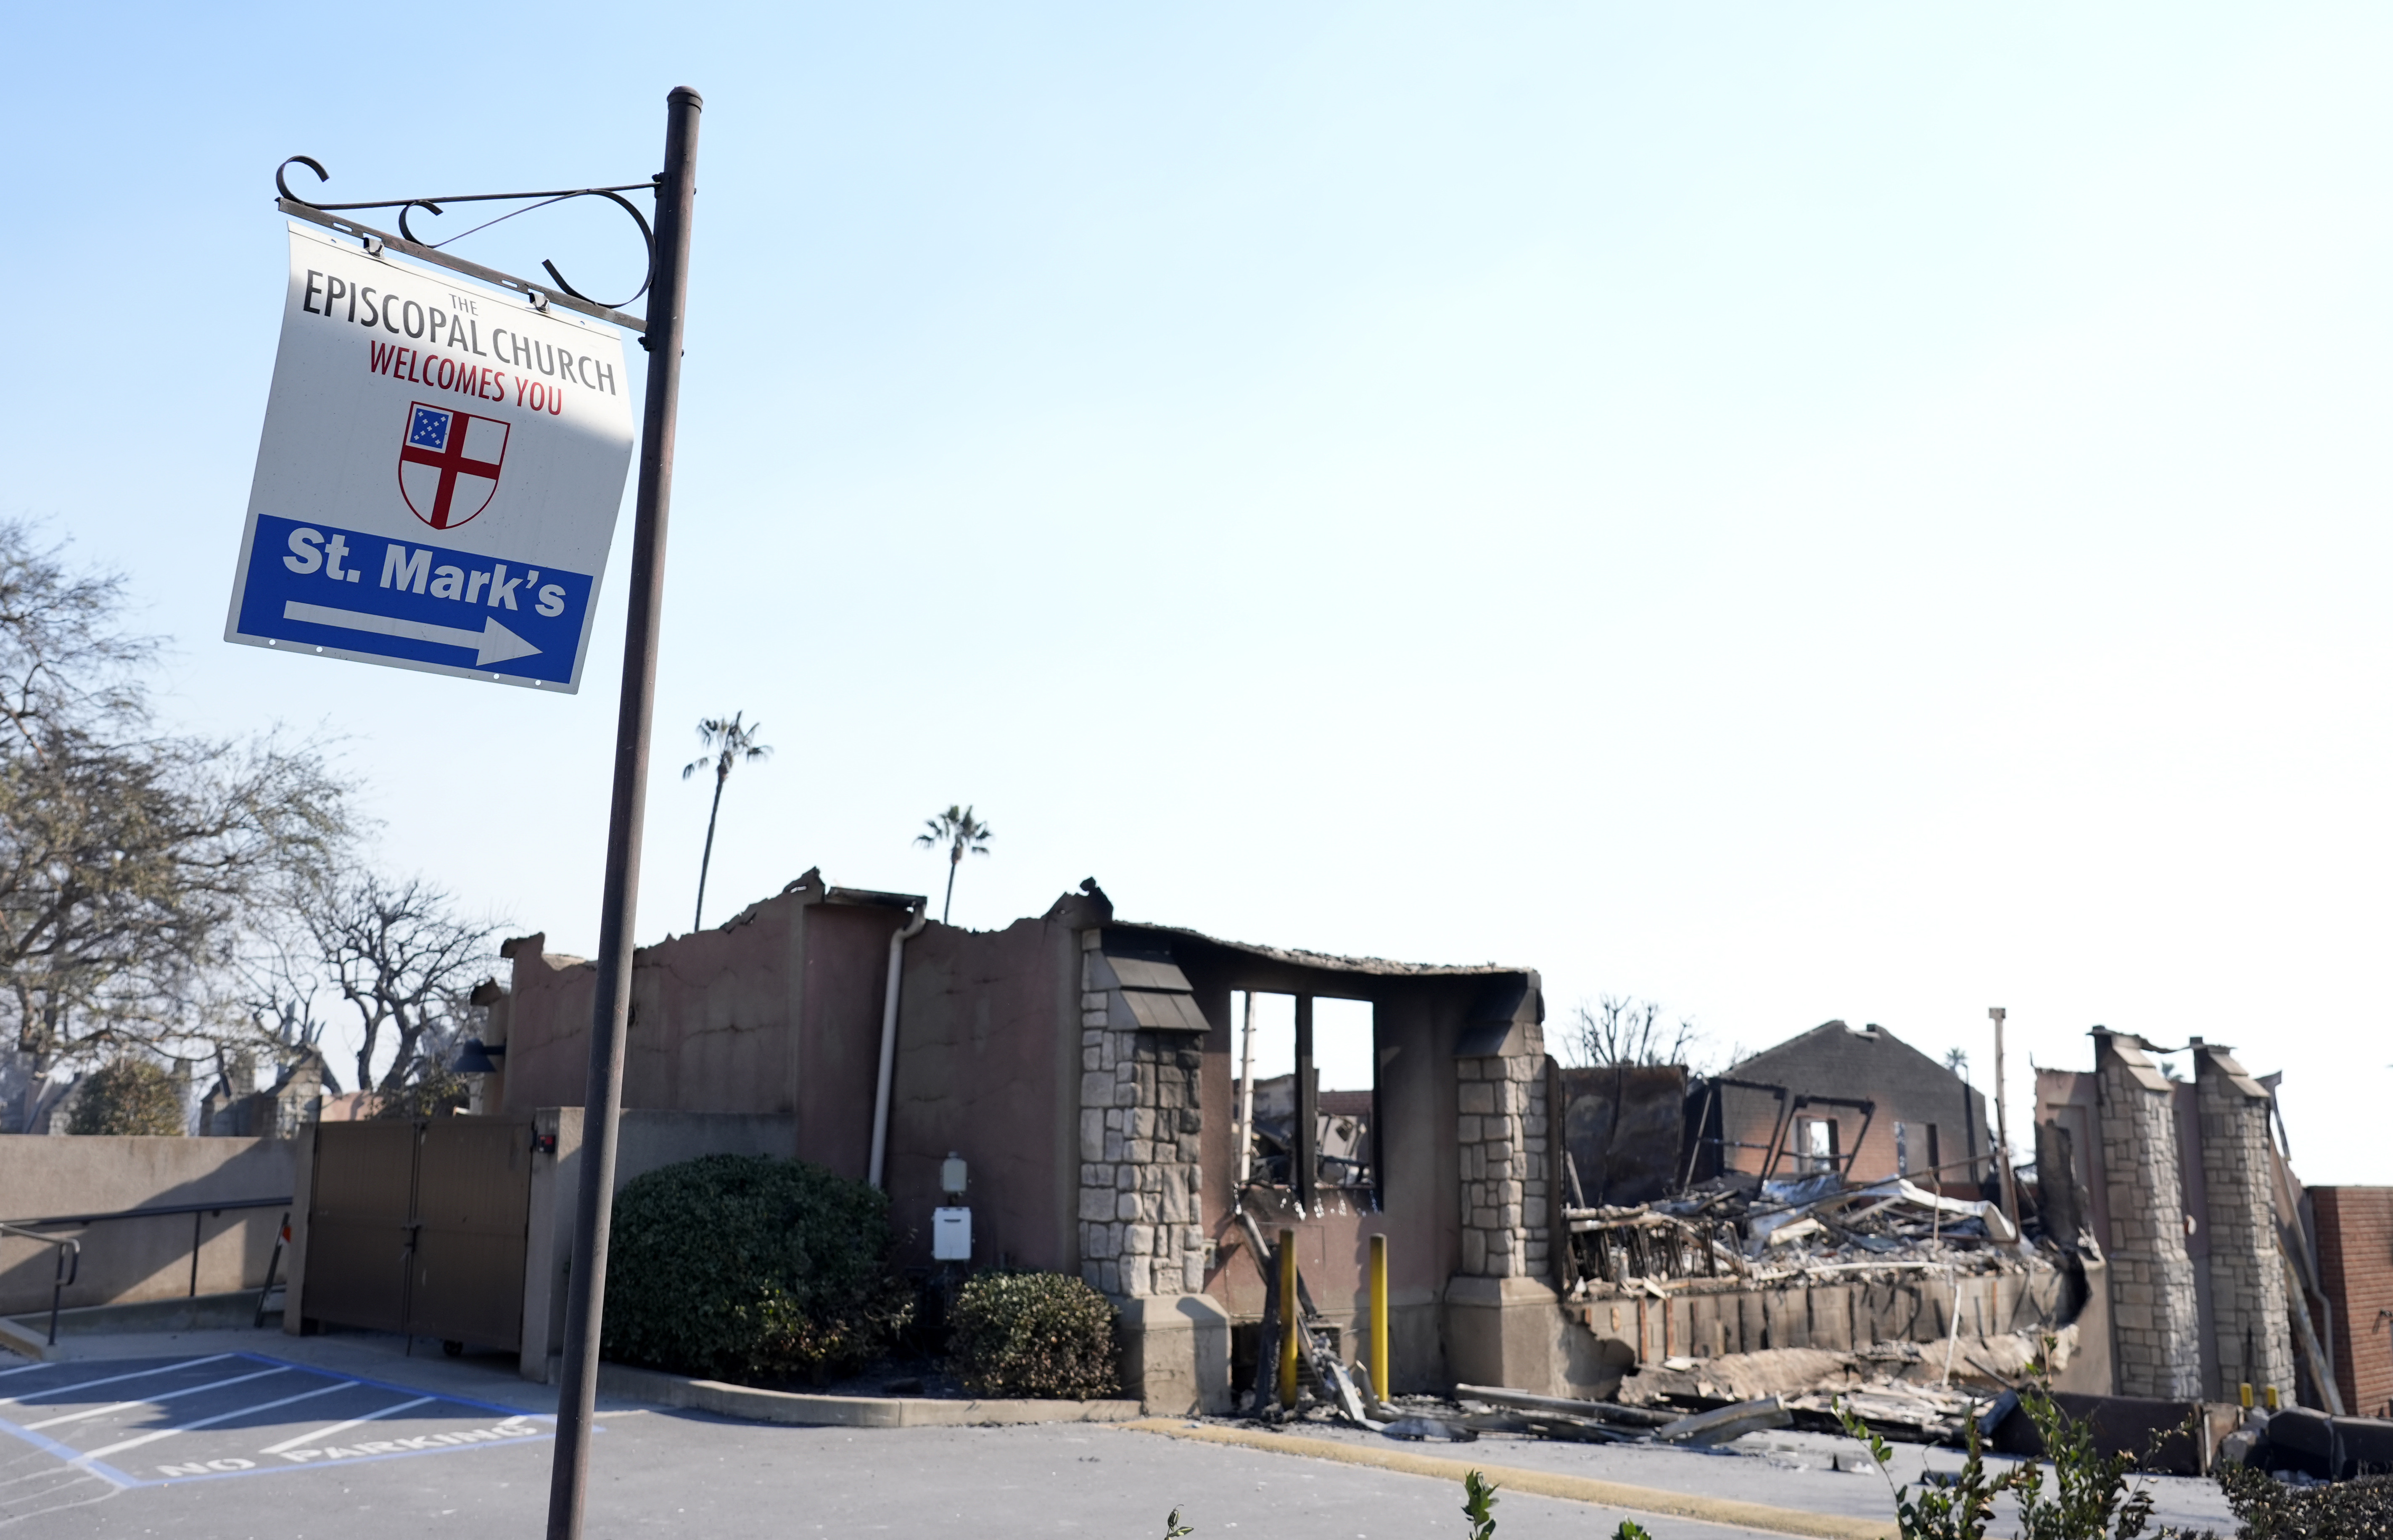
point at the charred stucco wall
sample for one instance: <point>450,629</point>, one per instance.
<point>2069,1100</point>
<point>2251,1331</point>
<point>710,1013</point>
<point>1905,1085</point>
<point>2156,1316</point>
<point>1008,1056</point>
<point>777,1012</point>
<point>842,975</point>
<point>1625,1125</point>
<point>987,1063</point>
<point>708,1030</point>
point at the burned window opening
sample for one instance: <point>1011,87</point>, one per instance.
<point>1307,1065</point>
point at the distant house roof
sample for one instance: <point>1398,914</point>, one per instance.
<point>1871,1044</point>
<point>1345,1103</point>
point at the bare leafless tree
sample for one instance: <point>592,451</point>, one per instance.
<point>404,960</point>
<point>1622,1031</point>
<point>277,986</point>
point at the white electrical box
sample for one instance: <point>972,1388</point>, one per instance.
<point>952,1234</point>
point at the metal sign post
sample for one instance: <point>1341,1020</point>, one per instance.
<point>612,1008</point>
<point>318,591</point>
<point>2009,1189</point>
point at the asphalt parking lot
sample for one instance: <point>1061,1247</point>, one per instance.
<point>263,1437</point>
<point>155,1422</point>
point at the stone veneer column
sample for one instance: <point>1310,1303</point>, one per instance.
<point>1502,1136</point>
<point>1140,1234</point>
<point>2154,1312</point>
<point>2247,1276</point>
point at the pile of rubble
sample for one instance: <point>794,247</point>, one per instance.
<point>1738,1233</point>
<point>1911,1391</point>
<point>1736,1236</point>
<point>1742,1228</point>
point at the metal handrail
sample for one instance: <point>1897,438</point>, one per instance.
<point>70,1251</point>
<point>62,1276</point>
<point>153,1213</point>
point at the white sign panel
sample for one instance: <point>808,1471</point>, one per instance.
<point>439,477</point>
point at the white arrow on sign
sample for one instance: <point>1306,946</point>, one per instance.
<point>492,644</point>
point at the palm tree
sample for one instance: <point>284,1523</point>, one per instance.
<point>726,744</point>
<point>959,831</point>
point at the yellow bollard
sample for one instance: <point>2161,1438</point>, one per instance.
<point>2245,1394</point>
<point>2273,1398</point>
<point>1291,1319</point>
<point>1381,1386</point>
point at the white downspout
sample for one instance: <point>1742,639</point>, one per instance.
<point>1246,1119</point>
<point>889,1043</point>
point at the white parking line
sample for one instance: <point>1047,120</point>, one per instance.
<point>163,1368</point>
<point>323,1433</point>
<point>167,1395</point>
<point>209,1422</point>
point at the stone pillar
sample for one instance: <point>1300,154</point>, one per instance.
<point>1502,1137</point>
<point>1142,1242</point>
<point>2253,1334</point>
<point>2155,1319</point>
<point>1503,1326</point>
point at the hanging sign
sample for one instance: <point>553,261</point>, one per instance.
<point>438,476</point>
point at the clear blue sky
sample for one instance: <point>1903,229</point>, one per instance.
<point>1797,511</point>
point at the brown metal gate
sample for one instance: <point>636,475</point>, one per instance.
<point>420,1228</point>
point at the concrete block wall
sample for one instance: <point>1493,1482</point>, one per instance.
<point>2155,1316</point>
<point>1504,1134</point>
<point>127,1261</point>
<point>1141,1234</point>
<point>1726,1319</point>
<point>2250,1330</point>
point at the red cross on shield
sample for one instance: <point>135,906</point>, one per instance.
<point>449,462</point>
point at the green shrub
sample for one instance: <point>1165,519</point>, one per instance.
<point>745,1267</point>
<point>1032,1334</point>
<point>2092,1499</point>
<point>2267,1509</point>
<point>128,1096</point>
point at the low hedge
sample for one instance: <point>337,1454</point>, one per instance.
<point>2266,1508</point>
<point>750,1267</point>
<point>1044,1335</point>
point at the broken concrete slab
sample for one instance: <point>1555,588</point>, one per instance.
<point>1728,1422</point>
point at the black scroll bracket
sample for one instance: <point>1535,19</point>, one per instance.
<point>406,242</point>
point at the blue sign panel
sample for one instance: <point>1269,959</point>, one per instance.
<point>437,477</point>
<point>335,590</point>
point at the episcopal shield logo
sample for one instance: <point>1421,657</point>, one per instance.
<point>448,464</point>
